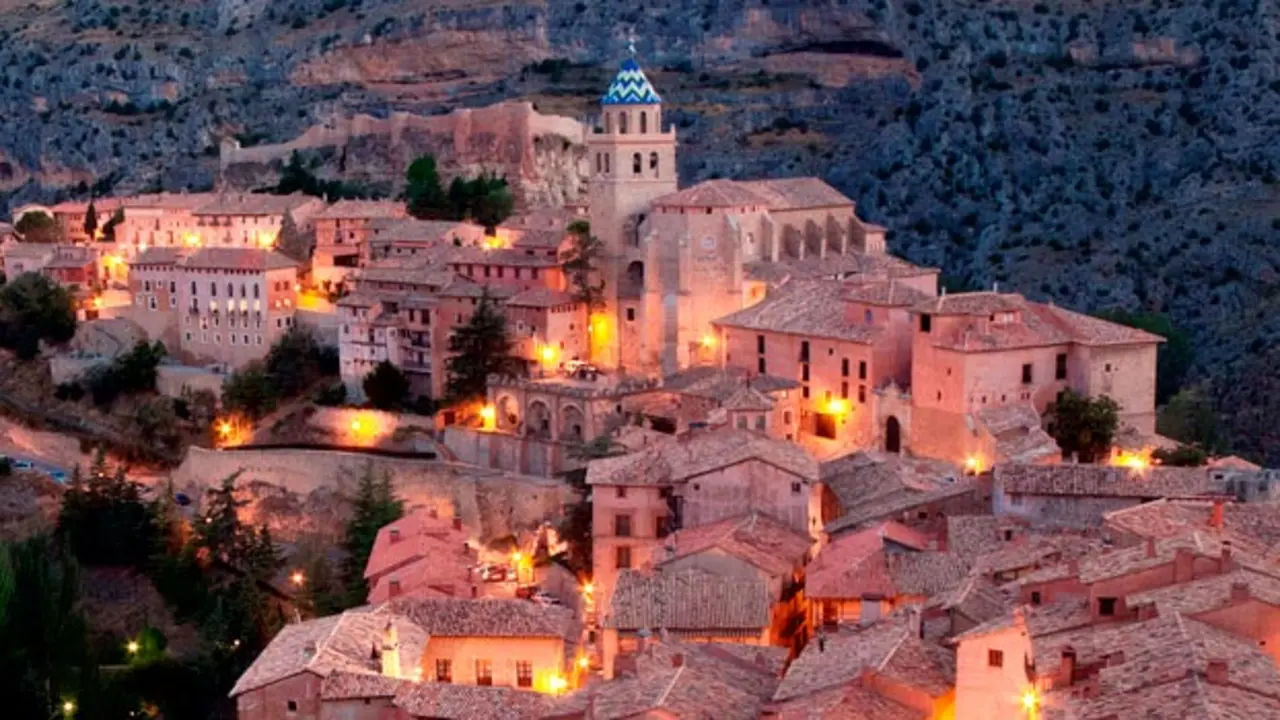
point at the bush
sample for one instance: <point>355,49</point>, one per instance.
<point>331,396</point>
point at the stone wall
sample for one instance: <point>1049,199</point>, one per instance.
<point>303,491</point>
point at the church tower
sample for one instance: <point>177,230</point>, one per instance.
<point>633,161</point>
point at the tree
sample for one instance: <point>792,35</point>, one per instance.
<point>296,362</point>
<point>109,230</point>
<point>376,505</point>
<point>132,372</point>
<point>386,387</point>
<point>491,201</point>
<point>293,242</point>
<point>1084,426</point>
<point>1181,456</point>
<point>580,265</point>
<point>479,349</point>
<point>1189,417</point>
<point>424,194</point>
<point>34,309</point>
<point>91,221</point>
<point>575,527</point>
<point>1173,358</point>
<point>249,392</point>
<point>105,521</point>
<point>38,227</point>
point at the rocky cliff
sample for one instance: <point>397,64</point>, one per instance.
<point>1107,154</point>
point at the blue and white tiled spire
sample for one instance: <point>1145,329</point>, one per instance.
<point>630,87</point>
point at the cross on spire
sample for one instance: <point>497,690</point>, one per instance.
<point>631,41</point>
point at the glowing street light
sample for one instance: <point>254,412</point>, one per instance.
<point>588,588</point>
<point>489,415</point>
<point>558,684</point>
<point>1030,701</point>
<point>708,341</point>
<point>297,578</point>
<point>837,406</point>
<point>548,354</point>
<point>583,662</point>
<point>68,708</point>
<point>224,428</point>
<point>973,464</point>
<point>132,647</point>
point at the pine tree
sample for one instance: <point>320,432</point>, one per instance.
<point>91,221</point>
<point>376,505</point>
<point>479,349</point>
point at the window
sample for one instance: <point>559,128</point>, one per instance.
<point>146,286</point>
<point>151,303</point>
<point>844,367</point>
<point>631,314</point>
<point>187,336</point>
<point>926,323</point>
<point>804,390</point>
<point>484,672</point>
<point>862,394</point>
<point>291,706</point>
<point>804,351</point>
<point>644,122</point>
<point>862,369</point>
<point>760,344</point>
<point>1108,367</point>
<point>444,670</point>
<point>796,488</point>
<point>742,422</point>
<point>622,123</point>
<point>1026,374</point>
<point>995,658</point>
<point>622,525</point>
<point>760,366</point>
<point>1060,367</point>
<point>524,668</point>
<point>213,289</point>
<point>653,165</point>
<point>1035,597</point>
<point>193,288</point>
<point>786,418</point>
<point>804,373</point>
<point>844,390</point>
<point>760,422</point>
<point>1106,606</point>
<point>637,164</point>
<point>622,491</point>
<point>622,558</point>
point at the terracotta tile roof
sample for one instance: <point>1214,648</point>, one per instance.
<point>1034,552</point>
<point>557,219</point>
<point>859,479</point>
<point>416,535</point>
<point>157,256</point>
<point>445,701</point>
<point>809,308</point>
<point>894,505</point>
<point>856,565</point>
<point>461,287</point>
<point>1017,432</point>
<point>1089,330</point>
<point>886,292</point>
<point>538,239</point>
<point>174,201</point>
<point>254,204</point>
<point>485,617</point>
<point>679,692</point>
<point>976,598</point>
<point>70,262</point>
<point>421,273</point>
<point>758,539</point>
<point>444,573</point>
<point>853,267</point>
<point>798,193</point>
<point>1033,324</point>
<point>343,685</point>
<point>1103,480</point>
<point>338,643</point>
<point>722,383</point>
<point>1191,697</point>
<point>30,250</point>
<point>1125,561</point>
<point>1037,620</point>
<point>849,702</point>
<point>426,232</point>
<point>747,399</point>
<point>972,535</point>
<point>680,460</point>
<point>238,259</point>
<point>1168,518</point>
<point>925,573</point>
<point>542,298</point>
<point>363,210</point>
<point>688,600</point>
<point>715,194</point>
<point>978,304</point>
<point>753,669</point>
<point>507,257</point>
<point>890,648</point>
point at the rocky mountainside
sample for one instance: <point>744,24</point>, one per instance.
<point>1105,154</point>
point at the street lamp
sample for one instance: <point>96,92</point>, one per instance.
<point>132,647</point>
<point>297,578</point>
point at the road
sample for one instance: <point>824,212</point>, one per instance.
<point>62,475</point>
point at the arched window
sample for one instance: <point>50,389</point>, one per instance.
<point>653,163</point>
<point>644,122</point>
<point>622,123</point>
<point>637,164</point>
<point>231,290</point>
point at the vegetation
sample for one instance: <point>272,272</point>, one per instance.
<point>376,505</point>
<point>109,230</point>
<point>249,392</point>
<point>1175,355</point>
<point>297,177</point>
<point>580,265</point>
<point>1189,417</point>
<point>293,242</point>
<point>1182,456</point>
<point>294,365</point>
<point>1085,427</point>
<point>132,372</point>
<point>479,349</point>
<point>91,220</point>
<point>34,309</point>
<point>386,387</point>
<point>486,199</point>
<point>105,521</point>
<point>38,227</point>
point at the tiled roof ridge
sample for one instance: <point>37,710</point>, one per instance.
<point>675,678</point>
<point>906,633</point>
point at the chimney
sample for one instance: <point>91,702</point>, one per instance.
<point>677,660</point>
<point>1216,671</point>
<point>394,534</point>
<point>390,651</point>
<point>1215,517</point>
<point>1240,592</point>
<point>457,523</point>
<point>393,588</point>
<point>1151,547</point>
<point>309,649</point>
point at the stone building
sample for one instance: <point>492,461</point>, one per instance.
<point>342,231</point>
<point>224,306</point>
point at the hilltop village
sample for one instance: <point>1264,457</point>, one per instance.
<point>814,483</point>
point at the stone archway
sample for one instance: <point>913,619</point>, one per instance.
<point>892,435</point>
<point>572,424</point>
<point>508,413</point>
<point>538,424</point>
<point>633,285</point>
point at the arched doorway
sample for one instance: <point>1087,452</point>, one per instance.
<point>892,435</point>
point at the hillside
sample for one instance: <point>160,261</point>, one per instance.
<point>1107,154</point>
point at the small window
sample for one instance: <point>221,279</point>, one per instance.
<point>804,372</point>
<point>844,367</point>
<point>622,491</point>
<point>926,323</point>
<point>1035,597</point>
<point>644,122</point>
<point>1107,606</point>
<point>1060,367</point>
<point>804,351</point>
<point>862,369</point>
<point>637,164</point>
<point>867,316</point>
<point>484,672</point>
<point>622,525</point>
<point>786,418</point>
<point>1108,367</point>
<point>622,558</point>
<point>291,706</point>
<point>796,488</point>
<point>844,390</point>
<point>862,394</point>
<point>631,314</point>
<point>1026,374</point>
<point>760,345</point>
<point>444,670</point>
<point>995,658</point>
<point>524,668</point>
<point>760,366</point>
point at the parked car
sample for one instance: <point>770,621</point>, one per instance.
<point>23,464</point>
<point>526,592</point>
<point>493,573</point>
<point>58,477</point>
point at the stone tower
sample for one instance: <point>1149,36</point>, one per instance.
<point>633,161</point>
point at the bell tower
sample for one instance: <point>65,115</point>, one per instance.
<point>633,162</point>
